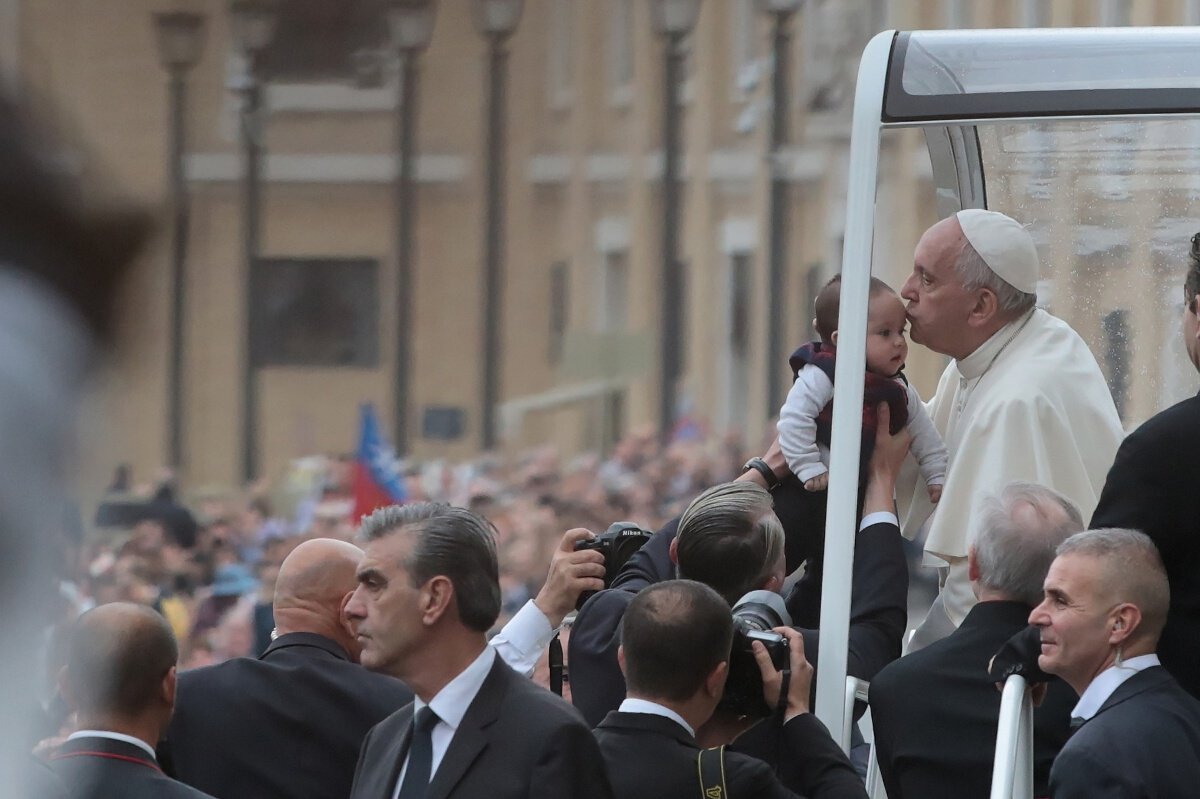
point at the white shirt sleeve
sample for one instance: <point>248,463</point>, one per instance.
<point>797,426</point>
<point>927,447</point>
<point>522,641</point>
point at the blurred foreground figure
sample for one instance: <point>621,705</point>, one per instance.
<point>60,258</point>
<point>120,680</point>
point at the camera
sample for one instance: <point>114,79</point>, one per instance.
<point>755,616</point>
<point>617,544</point>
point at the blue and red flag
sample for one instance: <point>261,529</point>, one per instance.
<point>378,479</point>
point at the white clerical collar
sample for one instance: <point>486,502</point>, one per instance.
<point>451,703</point>
<point>114,736</point>
<point>975,364</point>
<point>1107,682</point>
<point>633,705</point>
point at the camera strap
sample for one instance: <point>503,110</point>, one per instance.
<point>555,660</point>
<point>710,764</point>
<point>785,679</point>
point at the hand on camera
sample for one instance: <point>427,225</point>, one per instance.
<point>571,573</point>
<point>801,680</point>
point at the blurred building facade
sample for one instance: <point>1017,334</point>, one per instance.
<point>580,360</point>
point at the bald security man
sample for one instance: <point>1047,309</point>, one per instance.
<point>288,724</point>
<point>120,681</point>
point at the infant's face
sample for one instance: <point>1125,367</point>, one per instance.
<point>886,346</point>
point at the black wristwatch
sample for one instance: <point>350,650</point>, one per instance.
<point>760,466</point>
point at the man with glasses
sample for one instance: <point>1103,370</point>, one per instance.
<point>1154,486</point>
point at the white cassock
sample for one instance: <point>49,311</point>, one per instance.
<point>1029,404</point>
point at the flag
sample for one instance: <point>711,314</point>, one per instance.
<point>378,480</point>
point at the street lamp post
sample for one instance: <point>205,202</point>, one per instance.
<point>673,20</point>
<point>496,21</point>
<point>253,29</point>
<point>180,37</point>
<point>411,23</point>
<point>781,12</point>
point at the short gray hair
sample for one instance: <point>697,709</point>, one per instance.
<point>975,273</point>
<point>730,539</point>
<point>449,541</point>
<point>1133,571</point>
<point>1014,552</point>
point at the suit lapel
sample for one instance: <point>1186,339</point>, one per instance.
<point>470,739</point>
<point>393,756</point>
<point>1143,681</point>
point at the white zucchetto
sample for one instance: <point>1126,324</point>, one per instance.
<point>1004,245</point>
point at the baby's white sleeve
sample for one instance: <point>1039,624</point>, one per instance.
<point>798,422</point>
<point>927,446</point>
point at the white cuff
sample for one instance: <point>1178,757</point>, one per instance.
<point>521,642</point>
<point>879,517</point>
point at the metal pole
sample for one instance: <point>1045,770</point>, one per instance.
<point>177,91</point>
<point>252,145</point>
<point>405,209</point>
<point>777,282</point>
<point>671,311</point>
<point>493,269</point>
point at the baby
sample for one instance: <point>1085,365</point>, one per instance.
<point>805,419</point>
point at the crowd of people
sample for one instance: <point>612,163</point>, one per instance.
<point>210,565</point>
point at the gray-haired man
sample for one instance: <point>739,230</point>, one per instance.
<point>935,711</point>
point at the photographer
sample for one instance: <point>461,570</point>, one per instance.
<point>730,540</point>
<point>675,653</point>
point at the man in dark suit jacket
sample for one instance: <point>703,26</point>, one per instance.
<point>675,653</point>
<point>1152,487</point>
<point>730,540</point>
<point>288,724</point>
<point>1106,599</point>
<point>935,711</point>
<point>428,591</point>
<point>120,679</point>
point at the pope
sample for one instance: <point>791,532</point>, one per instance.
<point>1022,399</point>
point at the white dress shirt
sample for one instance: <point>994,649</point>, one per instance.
<point>1107,682</point>
<point>115,736</point>
<point>632,705</point>
<point>451,704</point>
<point>522,641</point>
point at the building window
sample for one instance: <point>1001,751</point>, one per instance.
<point>614,292</point>
<point>747,67</point>
<point>1036,13</point>
<point>1116,357</point>
<point>1191,12</point>
<point>562,53</point>
<point>559,307</point>
<point>321,42</point>
<point>620,52</point>
<point>315,312</point>
<point>1115,13</point>
<point>959,14</point>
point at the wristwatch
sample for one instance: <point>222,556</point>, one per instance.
<point>760,466</point>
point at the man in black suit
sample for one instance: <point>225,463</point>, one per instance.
<point>935,711</point>
<point>120,680</point>
<point>675,654</point>
<point>1152,487</point>
<point>428,591</point>
<point>730,540</point>
<point>289,723</point>
<point>1106,599</point>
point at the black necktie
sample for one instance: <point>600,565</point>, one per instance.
<point>420,756</point>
